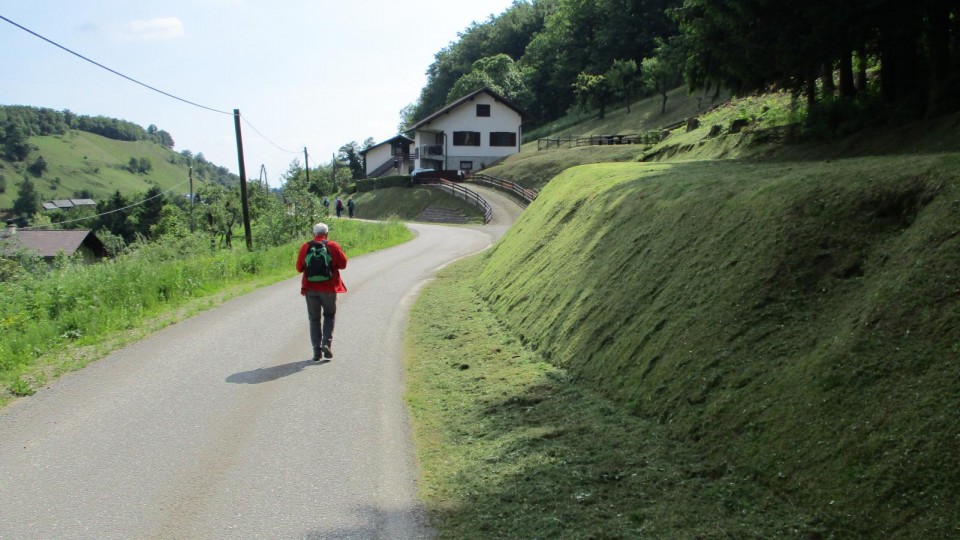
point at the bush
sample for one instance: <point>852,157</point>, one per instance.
<point>370,184</point>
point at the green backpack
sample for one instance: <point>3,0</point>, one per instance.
<point>317,262</point>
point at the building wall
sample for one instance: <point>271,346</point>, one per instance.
<point>377,156</point>
<point>464,118</point>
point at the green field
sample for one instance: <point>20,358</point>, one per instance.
<point>84,161</point>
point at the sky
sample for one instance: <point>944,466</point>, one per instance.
<point>312,74</point>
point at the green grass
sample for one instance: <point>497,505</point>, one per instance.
<point>87,161</point>
<point>511,446</point>
<point>407,203</point>
<point>645,115</point>
<point>60,321</point>
<point>793,325</point>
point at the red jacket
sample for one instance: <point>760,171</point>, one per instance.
<point>337,260</point>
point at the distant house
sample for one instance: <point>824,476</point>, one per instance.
<point>48,244</point>
<point>392,156</point>
<point>63,204</point>
<point>469,134</point>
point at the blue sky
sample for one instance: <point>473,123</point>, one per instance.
<point>312,74</point>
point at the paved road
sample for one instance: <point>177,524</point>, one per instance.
<point>221,427</point>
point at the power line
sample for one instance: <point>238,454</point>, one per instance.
<point>115,210</point>
<point>266,139</point>
<point>54,43</point>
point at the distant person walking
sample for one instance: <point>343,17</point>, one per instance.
<point>350,206</point>
<point>320,261</point>
<point>326,206</point>
<point>339,206</point>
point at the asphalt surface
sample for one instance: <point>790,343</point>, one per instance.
<point>222,427</point>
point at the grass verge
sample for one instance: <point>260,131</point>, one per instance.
<point>62,320</point>
<point>511,446</point>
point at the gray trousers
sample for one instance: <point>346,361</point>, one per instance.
<point>322,312</point>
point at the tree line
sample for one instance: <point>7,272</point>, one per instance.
<point>18,123</point>
<point>548,56</point>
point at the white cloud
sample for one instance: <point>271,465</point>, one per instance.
<point>160,29</point>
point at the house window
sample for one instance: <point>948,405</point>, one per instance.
<point>503,138</point>
<point>466,138</point>
<point>483,110</point>
<point>466,165</point>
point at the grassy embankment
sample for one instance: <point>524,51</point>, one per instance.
<point>87,161</point>
<point>406,204</point>
<point>63,320</point>
<point>714,349</point>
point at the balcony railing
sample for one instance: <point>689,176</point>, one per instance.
<point>430,151</point>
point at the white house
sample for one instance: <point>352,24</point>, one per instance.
<point>390,157</point>
<point>469,134</point>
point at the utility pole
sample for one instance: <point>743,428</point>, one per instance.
<point>306,162</point>
<point>333,173</point>
<point>191,199</point>
<point>243,181</point>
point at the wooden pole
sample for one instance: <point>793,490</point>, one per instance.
<point>243,181</point>
<point>191,199</point>
<point>306,162</point>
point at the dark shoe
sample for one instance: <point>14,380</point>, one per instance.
<point>316,356</point>
<point>327,352</point>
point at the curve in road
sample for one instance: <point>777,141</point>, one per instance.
<point>222,427</point>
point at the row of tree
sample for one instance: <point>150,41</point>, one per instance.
<point>549,55</point>
<point>18,123</point>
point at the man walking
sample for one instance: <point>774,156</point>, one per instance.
<point>339,206</point>
<point>350,206</point>
<point>320,261</point>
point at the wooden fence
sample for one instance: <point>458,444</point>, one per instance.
<point>526,195</point>
<point>650,137</point>
<point>460,192</point>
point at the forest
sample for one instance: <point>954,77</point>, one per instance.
<point>878,59</point>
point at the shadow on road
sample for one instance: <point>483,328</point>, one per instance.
<point>272,373</point>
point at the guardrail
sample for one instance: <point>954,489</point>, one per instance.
<point>526,195</point>
<point>459,191</point>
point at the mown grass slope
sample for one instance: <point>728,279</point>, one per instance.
<point>406,204</point>
<point>797,324</point>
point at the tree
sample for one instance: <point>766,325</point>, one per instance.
<point>114,216</point>
<point>592,91</point>
<point>220,212</point>
<point>15,144</point>
<point>144,165</point>
<point>663,72</point>
<point>623,79</point>
<point>3,184</point>
<point>38,167</point>
<point>27,201</point>
<point>350,155</point>
<point>499,73</point>
<point>150,212</point>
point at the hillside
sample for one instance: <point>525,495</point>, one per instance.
<point>407,203</point>
<point>78,160</point>
<point>792,321</point>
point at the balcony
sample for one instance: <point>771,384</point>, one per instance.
<point>431,151</point>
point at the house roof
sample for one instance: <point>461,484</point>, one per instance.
<point>524,117</point>
<point>49,243</point>
<point>388,141</point>
<point>67,203</point>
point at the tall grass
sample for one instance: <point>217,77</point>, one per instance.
<point>43,312</point>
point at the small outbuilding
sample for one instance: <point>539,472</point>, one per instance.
<point>48,244</point>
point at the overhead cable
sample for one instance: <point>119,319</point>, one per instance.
<point>115,72</point>
<point>129,206</point>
